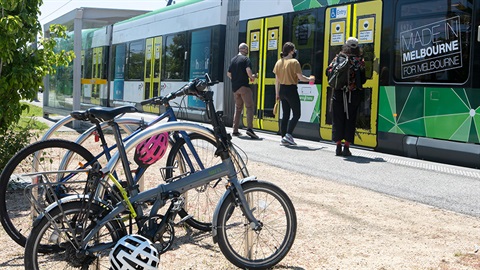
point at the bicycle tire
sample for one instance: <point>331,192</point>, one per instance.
<point>15,208</point>
<point>200,202</point>
<point>41,248</point>
<point>263,249</point>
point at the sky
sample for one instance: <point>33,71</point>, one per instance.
<point>52,9</point>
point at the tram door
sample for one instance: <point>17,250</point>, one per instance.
<point>96,71</point>
<point>99,83</point>
<point>153,58</point>
<point>362,20</point>
<point>93,83</point>
<point>264,38</point>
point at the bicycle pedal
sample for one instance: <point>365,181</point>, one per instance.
<point>183,220</point>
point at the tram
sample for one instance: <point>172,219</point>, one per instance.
<point>421,98</point>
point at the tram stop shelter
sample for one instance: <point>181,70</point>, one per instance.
<point>76,21</point>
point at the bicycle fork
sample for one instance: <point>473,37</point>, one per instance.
<point>235,189</point>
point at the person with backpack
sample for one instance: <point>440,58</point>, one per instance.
<point>287,74</point>
<point>346,74</point>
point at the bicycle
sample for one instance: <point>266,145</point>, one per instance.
<point>248,231</point>
<point>189,153</point>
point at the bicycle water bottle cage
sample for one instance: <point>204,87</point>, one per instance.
<point>151,150</point>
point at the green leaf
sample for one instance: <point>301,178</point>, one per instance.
<point>23,67</point>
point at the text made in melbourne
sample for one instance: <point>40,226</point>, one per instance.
<point>431,48</point>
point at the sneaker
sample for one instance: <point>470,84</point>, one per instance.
<point>289,139</point>
<point>284,142</point>
<point>236,133</point>
<point>346,151</point>
<point>338,151</point>
<point>252,134</point>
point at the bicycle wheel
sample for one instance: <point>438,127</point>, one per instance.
<point>199,202</point>
<point>52,244</point>
<point>262,249</point>
<point>28,167</point>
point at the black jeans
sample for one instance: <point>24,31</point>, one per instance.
<point>290,101</point>
<point>343,128</point>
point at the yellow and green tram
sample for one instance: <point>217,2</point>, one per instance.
<point>421,98</point>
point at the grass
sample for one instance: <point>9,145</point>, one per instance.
<point>30,114</point>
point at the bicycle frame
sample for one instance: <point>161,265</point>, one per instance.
<point>124,123</point>
<point>161,192</point>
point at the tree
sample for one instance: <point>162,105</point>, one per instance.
<point>23,61</point>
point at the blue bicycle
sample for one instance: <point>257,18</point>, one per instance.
<point>189,153</point>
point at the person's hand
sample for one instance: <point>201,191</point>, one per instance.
<point>311,80</point>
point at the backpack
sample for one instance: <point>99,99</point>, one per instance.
<point>339,72</point>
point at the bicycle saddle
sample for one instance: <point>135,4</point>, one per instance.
<point>102,113</point>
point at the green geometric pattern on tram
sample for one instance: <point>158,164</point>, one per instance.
<point>445,126</point>
<point>416,126</point>
<point>450,111</point>
<point>441,113</point>
<point>475,128</point>
<point>463,132</point>
<point>462,94</point>
<point>315,118</point>
<point>444,101</point>
<point>307,4</point>
<point>386,118</point>
<point>302,5</point>
<point>411,103</point>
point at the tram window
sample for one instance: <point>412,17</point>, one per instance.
<point>254,56</point>
<point>217,61</point>
<point>82,69</point>
<point>174,57</point>
<point>433,41</point>
<point>148,64</point>
<point>105,62</point>
<point>88,68</point>
<point>272,57</point>
<point>200,53</point>
<point>206,54</point>
<point>136,60</point>
<point>118,72</point>
<point>303,29</point>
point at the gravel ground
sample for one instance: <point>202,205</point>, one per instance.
<point>339,227</point>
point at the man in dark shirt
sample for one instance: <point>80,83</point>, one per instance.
<point>239,71</point>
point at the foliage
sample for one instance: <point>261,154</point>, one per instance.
<point>29,116</point>
<point>14,139</point>
<point>20,134</point>
<point>32,110</point>
<point>23,61</point>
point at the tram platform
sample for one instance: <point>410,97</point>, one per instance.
<point>440,185</point>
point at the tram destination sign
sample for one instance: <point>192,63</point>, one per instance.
<point>431,48</point>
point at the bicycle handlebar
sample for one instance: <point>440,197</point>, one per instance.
<point>194,88</point>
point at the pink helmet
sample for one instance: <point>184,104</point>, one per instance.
<point>151,150</point>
